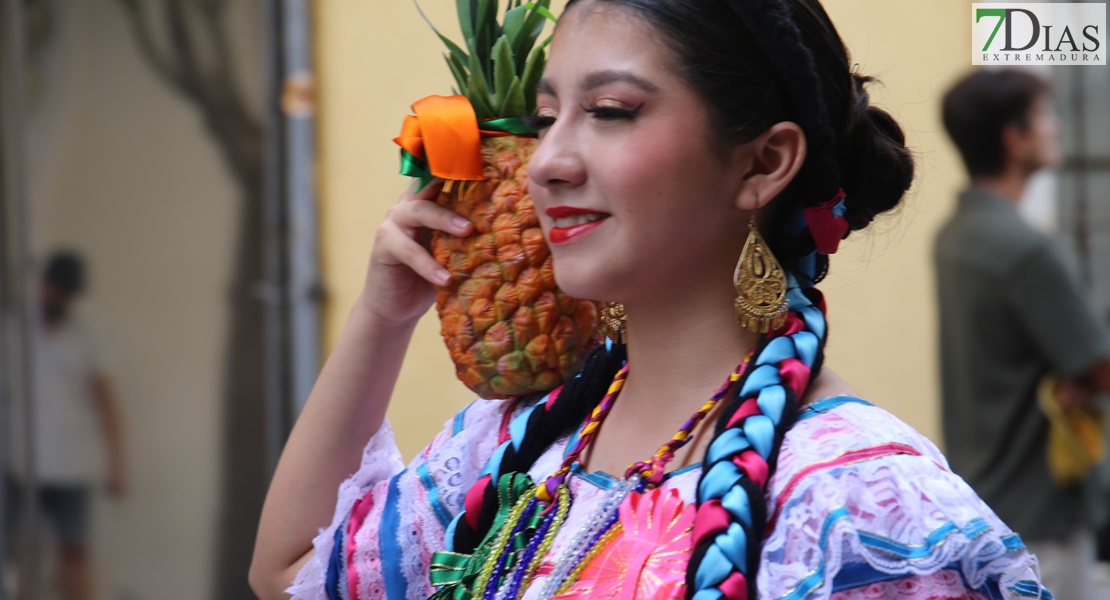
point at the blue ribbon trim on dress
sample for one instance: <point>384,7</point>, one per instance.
<point>1031,589</point>
<point>389,546</point>
<point>460,420</point>
<point>827,404</point>
<point>973,529</point>
<point>335,562</point>
<point>856,575</point>
<point>1013,542</point>
<point>432,490</point>
<point>814,580</point>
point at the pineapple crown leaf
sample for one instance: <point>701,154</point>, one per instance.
<point>454,48</point>
<point>500,63</point>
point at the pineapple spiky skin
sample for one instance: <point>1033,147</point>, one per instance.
<point>510,331</point>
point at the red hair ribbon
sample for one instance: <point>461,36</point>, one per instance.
<point>826,223</point>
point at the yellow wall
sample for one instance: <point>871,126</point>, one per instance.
<point>376,58</point>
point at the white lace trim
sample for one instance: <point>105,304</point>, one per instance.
<point>380,461</point>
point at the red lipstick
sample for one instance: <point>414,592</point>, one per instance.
<point>562,235</point>
<point>561,212</point>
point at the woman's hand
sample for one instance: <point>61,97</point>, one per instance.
<point>402,277</point>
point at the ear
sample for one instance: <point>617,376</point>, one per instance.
<point>772,160</point>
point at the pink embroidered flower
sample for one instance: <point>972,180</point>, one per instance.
<point>908,586</point>
<point>943,585</point>
<point>949,577</point>
<point>875,590</point>
<point>648,557</point>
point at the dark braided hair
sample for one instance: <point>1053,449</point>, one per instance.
<point>755,63</point>
<point>545,424</point>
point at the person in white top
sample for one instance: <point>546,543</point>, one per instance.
<point>76,417</point>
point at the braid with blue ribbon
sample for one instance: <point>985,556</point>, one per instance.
<point>732,510</point>
<point>741,458</point>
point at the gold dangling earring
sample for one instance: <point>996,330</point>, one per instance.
<point>760,286</point>
<point>613,318</point>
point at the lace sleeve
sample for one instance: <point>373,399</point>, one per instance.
<point>389,519</point>
<point>862,501</point>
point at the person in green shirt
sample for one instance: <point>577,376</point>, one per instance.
<point>1013,310</point>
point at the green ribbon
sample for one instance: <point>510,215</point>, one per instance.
<point>414,166</point>
<point>454,573</point>
<point>514,125</point>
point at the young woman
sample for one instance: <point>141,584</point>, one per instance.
<point>677,137</point>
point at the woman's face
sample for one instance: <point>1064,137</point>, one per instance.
<point>633,196</point>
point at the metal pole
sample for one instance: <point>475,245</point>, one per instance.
<point>302,252</point>
<point>1082,188</point>
<point>293,291</point>
<point>272,292</point>
<point>23,291</point>
<point>7,366</point>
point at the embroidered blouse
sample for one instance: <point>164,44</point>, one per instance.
<point>861,506</point>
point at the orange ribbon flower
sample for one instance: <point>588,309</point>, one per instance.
<point>444,132</point>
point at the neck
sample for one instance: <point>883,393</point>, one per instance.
<point>679,356</point>
<point>1009,184</point>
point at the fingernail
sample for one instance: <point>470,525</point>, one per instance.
<point>443,276</point>
<point>460,222</point>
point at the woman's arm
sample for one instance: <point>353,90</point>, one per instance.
<point>348,403</point>
<point>346,407</point>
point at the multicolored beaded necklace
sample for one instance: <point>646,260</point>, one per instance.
<point>536,514</point>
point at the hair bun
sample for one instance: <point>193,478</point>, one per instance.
<point>877,167</point>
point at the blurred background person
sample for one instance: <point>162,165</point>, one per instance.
<point>1013,310</point>
<point>77,424</point>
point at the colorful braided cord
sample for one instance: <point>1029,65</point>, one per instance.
<point>546,491</point>
<point>653,470</point>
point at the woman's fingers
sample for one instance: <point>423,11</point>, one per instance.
<point>405,250</point>
<point>428,192</point>
<point>414,215</point>
<point>403,235</point>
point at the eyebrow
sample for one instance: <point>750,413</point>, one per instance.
<point>599,78</point>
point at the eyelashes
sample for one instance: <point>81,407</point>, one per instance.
<point>538,123</point>
<point>601,113</point>
<point>609,113</point>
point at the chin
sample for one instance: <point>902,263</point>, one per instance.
<point>579,288</point>
<point>583,281</point>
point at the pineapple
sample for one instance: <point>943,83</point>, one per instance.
<point>510,331</point>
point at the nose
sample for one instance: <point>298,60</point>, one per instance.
<point>557,161</point>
